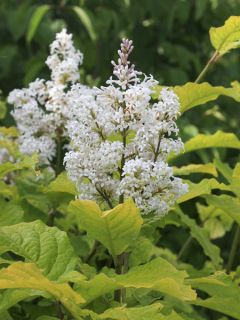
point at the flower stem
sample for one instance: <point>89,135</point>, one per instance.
<point>234,248</point>
<point>212,60</point>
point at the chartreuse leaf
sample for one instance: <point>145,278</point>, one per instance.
<point>235,185</point>
<point>228,204</point>
<point>10,213</point>
<point>27,162</point>
<point>62,184</point>
<point>224,169</point>
<point>224,294</point>
<point>218,140</point>
<point>158,275</point>
<point>201,236</point>
<point>151,312</point>
<point>27,275</point>
<point>48,247</point>
<point>86,21</point>
<point>196,168</point>
<point>202,188</point>
<point>36,18</point>
<point>216,222</point>
<point>10,297</point>
<point>116,229</point>
<point>227,37</point>
<point>195,94</point>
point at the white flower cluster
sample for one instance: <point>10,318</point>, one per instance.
<point>120,140</point>
<point>42,109</point>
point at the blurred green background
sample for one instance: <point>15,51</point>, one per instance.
<point>170,37</point>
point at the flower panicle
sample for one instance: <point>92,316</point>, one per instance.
<point>123,70</point>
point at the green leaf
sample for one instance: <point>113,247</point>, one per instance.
<point>10,297</point>
<point>26,163</point>
<point>224,169</point>
<point>219,139</point>
<point>26,275</point>
<point>158,275</point>
<point>116,229</point>
<point>224,294</point>
<point>10,213</point>
<point>137,313</point>
<point>201,235</point>
<point>196,168</point>
<point>86,21</point>
<point>202,188</point>
<point>36,18</point>
<point>48,247</point>
<point>141,252</point>
<point>216,222</point>
<point>235,185</point>
<point>151,312</point>
<point>195,94</point>
<point>62,184</point>
<point>228,204</point>
<point>227,37</point>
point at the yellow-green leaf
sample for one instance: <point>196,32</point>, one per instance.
<point>201,235</point>
<point>158,275</point>
<point>223,294</point>
<point>196,168</point>
<point>27,275</point>
<point>116,229</point>
<point>235,185</point>
<point>227,37</point>
<point>26,163</point>
<point>194,94</point>
<point>219,139</point>
<point>48,247</point>
<point>202,188</point>
<point>62,184</point>
<point>228,204</point>
<point>150,312</point>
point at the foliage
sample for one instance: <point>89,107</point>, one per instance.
<point>65,258</point>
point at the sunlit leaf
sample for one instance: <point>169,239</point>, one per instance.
<point>26,275</point>
<point>194,94</point>
<point>224,294</point>
<point>227,37</point>
<point>196,168</point>
<point>158,275</point>
<point>116,229</point>
<point>229,204</point>
<point>48,247</point>
<point>204,187</point>
<point>27,162</point>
